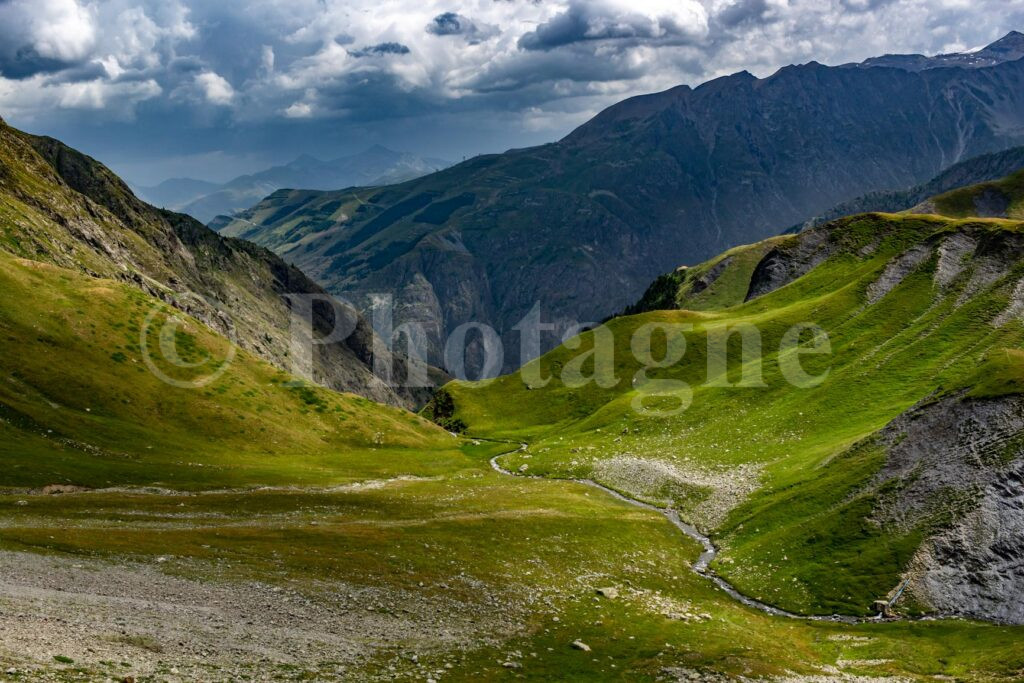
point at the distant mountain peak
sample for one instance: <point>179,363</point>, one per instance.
<point>1012,42</point>
<point>305,161</point>
<point>1015,37</point>
<point>375,165</point>
<point>1009,48</point>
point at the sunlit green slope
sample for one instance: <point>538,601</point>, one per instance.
<point>791,481</point>
<point>1001,198</point>
<point>80,406</point>
<point>60,206</point>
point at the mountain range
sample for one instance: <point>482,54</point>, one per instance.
<point>582,226</point>
<point>205,201</point>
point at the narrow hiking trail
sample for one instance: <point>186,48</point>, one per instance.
<point>703,563</point>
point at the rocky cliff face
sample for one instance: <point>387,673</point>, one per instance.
<point>957,465</point>
<point>582,226</point>
<point>64,207</point>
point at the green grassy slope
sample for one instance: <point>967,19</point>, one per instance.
<point>81,407</point>
<point>803,539</point>
<point>980,169</point>
<point>1001,198</point>
<point>719,283</point>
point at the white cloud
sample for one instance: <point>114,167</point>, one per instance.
<point>299,110</point>
<point>215,88</point>
<point>64,30</point>
<point>97,94</point>
<point>28,97</point>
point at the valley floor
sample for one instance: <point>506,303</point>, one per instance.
<point>468,576</point>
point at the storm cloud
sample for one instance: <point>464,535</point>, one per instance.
<point>451,24</point>
<point>620,22</point>
<point>161,86</point>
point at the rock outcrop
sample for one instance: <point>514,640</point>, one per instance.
<point>959,465</point>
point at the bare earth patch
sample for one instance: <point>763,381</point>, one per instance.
<point>714,491</point>
<point>132,619</point>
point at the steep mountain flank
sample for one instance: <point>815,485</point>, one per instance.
<point>65,208</point>
<point>896,446</point>
<point>981,169</point>
<point>80,405</point>
<point>583,225</point>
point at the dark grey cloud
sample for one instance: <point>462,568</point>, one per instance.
<point>85,72</point>
<point>743,12</point>
<point>864,5</point>
<point>455,24</point>
<point>25,62</point>
<point>590,21</point>
<point>381,49</point>
<point>573,64</point>
<point>451,24</point>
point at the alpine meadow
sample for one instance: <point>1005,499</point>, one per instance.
<point>716,374</point>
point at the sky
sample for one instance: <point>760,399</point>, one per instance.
<point>211,89</point>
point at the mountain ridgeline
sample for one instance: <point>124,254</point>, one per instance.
<point>583,225</point>
<point>204,201</point>
<point>62,207</point>
<point>748,271</point>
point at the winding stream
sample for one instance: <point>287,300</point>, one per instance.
<point>703,564</point>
